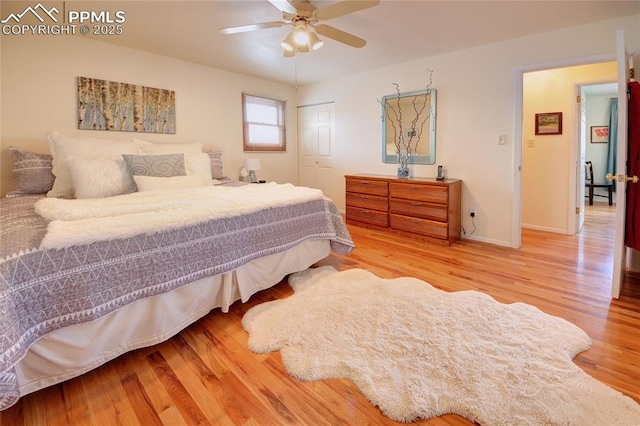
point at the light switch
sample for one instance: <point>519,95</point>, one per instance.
<point>531,143</point>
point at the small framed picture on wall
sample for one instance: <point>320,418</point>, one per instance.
<point>549,123</point>
<point>599,134</point>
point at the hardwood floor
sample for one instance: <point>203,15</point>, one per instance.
<point>206,374</point>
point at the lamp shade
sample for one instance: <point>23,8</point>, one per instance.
<point>314,41</point>
<point>301,36</point>
<point>288,44</point>
<point>251,164</point>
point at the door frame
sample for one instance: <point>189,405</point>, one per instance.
<point>581,147</point>
<point>516,220</point>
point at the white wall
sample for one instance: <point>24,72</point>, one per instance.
<point>39,94</point>
<point>475,104</point>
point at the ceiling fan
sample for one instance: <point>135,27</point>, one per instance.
<point>304,18</point>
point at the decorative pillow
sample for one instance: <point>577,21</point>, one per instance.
<point>194,157</point>
<point>215,159</point>
<point>31,172</point>
<point>62,147</point>
<point>168,165</point>
<point>150,183</point>
<point>198,165</point>
<point>99,177</point>
<point>188,149</point>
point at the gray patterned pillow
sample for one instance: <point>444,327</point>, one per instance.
<point>215,158</point>
<point>167,165</point>
<point>31,172</point>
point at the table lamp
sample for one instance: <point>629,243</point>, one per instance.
<point>251,165</point>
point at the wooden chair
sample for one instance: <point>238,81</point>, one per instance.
<point>590,185</point>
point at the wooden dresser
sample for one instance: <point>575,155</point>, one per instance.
<point>417,207</point>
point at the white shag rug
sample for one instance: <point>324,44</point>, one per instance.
<point>419,352</point>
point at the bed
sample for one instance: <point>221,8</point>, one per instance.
<point>83,281</point>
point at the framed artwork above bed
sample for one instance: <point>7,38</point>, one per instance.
<point>108,105</point>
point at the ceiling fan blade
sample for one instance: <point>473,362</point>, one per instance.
<point>341,36</point>
<point>284,6</point>
<point>344,8</point>
<point>251,27</point>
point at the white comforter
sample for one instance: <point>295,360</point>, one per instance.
<point>74,222</point>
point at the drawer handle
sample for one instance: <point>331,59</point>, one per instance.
<point>365,211</point>
<point>414,220</point>
<point>365,197</point>
<point>364,182</point>
<point>416,187</point>
<point>416,203</point>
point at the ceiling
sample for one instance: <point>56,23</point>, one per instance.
<point>396,31</point>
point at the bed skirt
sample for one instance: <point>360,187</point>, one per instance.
<point>74,350</point>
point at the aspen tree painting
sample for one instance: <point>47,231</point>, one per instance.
<point>108,105</point>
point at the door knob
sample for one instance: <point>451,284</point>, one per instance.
<point>622,178</point>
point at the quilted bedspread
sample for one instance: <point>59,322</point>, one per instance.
<point>45,289</point>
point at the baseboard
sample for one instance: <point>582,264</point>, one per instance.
<point>487,240</point>
<point>546,229</point>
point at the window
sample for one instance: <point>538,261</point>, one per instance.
<point>263,121</point>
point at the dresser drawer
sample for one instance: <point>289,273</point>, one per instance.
<point>415,225</point>
<point>414,191</point>
<point>366,201</point>
<point>373,217</point>
<point>367,186</point>
<point>419,209</point>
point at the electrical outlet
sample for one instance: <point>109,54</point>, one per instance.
<point>472,212</point>
<point>502,140</point>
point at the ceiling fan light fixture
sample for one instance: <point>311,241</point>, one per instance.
<point>314,41</point>
<point>304,18</point>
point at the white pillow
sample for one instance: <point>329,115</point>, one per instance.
<point>199,165</point>
<point>188,149</point>
<point>63,147</point>
<point>99,177</point>
<point>150,183</point>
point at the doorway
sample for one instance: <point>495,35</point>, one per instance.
<point>596,150</point>
<point>551,163</point>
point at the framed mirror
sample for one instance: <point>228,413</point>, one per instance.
<point>409,121</point>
